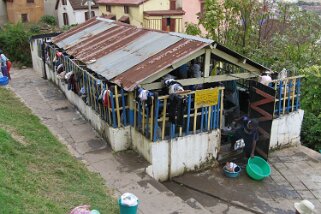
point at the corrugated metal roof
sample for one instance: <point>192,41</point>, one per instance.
<point>125,54</point>
<point>121,2</point>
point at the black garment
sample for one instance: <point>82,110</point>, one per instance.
<point>248,139</point>
<point>176,109</point>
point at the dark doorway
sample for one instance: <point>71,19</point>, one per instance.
<point>262,99</point>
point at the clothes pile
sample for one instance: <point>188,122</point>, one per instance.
<point>176,109</point>
<point>173,86</point>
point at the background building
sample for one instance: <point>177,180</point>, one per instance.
<point>73,11</point>
<point>3,13</point>
<point>25,11</point>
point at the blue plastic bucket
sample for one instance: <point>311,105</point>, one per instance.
<point>4,80</point>
<point>127,209</point>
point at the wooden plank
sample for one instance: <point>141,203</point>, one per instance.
<point>284,95</point>
<point>164,118</point>
<point>124,107</point>
<point>143,122</point>
<point>235,61</point>
<point>207,63</point>
<point>156,120</point>
<point>209,118</point>
<point>293,93</point>
<point>195,119</point>
<point>117,106</point>
<point>188,113</point>
<point>222,108</point>
<point>113,109</point>
<point>152,119</point>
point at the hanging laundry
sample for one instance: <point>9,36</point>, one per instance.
<point>176,109</point>
<point>173,86</point>
<point>106,102</point>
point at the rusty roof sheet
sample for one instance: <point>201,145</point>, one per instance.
<point>121,2</point>
<point>155,64</point>
<point>125,54</point>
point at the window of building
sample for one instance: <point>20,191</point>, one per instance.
<point>30,1</point>
<point>64,2</point>
<point>126,9</point>
<point>65,17</point>
<point>168,24</point>
<point>108,8</point>
<point>87,15</point>
<point>24,17</point>
<point>172,5</point>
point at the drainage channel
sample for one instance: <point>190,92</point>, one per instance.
<point>217,197</point>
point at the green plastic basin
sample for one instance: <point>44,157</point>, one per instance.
<point>257,168</point>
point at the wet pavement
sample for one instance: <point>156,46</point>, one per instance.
<point>296,171</point>
<point>296,175</point>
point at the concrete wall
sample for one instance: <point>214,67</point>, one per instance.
<point>50,8</point>
<point>36,60</point>
<point>286,130</point>
<point>34,10</point>
<point>3,13</point>
<point>173,158</point>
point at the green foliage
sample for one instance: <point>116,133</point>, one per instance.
<point>35,29</point>
<point>37,173</point>
<point>310,102</point>
<point>311,131</point>
<point>192,29</point>
<point>14,40</point>
<point>50,20</point>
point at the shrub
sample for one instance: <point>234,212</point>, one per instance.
<point>192,29</point>
<point>310,100</point>
<point>50,20</point>
<point>14,40</point>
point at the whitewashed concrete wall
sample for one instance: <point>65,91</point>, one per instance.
<point>286,129</point>
<point>36,60</point>
<point>173,158</point>
<point>80,15</point>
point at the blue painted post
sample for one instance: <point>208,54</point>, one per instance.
<point>206,112</point>
<point>147,120</point>
<point>188,113</point>
<point>297,104</point>
<point>280,99</point>
<point>113,109</point>
<point>124,107</point>
<point>172,130</point>
<point>139,116</point>
<point>202,119</point>
<point>289,96</point>
<point>213,118</point>
<point>156,120</point>
<point>218,117</point>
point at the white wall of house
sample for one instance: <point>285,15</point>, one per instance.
<point>286,129</point>
<point>50,8</point>
<point>74,16</point>
<point>3,13</point>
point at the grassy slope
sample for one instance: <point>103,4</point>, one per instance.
<point>40,176</point>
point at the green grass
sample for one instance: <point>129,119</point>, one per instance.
<point>37,174</point>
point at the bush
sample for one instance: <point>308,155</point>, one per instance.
<point>14,40</point>
<point>50,20</point>
<point>311,131</point>
<point>310,101</point>
<point>192,29</point>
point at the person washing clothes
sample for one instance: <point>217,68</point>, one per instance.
<point>3,63</point>
<point>248,134</point>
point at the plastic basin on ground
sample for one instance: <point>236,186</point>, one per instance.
<point>232,174</point>
<point>127,209</point>
<point>257,168</point>
<point>4,80</point>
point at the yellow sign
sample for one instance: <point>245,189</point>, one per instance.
<point>206,97</point>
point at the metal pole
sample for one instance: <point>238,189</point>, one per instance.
<point>89,8</point>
